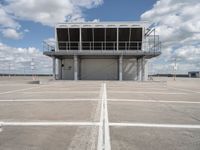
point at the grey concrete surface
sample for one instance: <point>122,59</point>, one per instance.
<point>48,111</point>
<point>83,103</point>
<point>48,138</point>
<point>161,113</point>
<point>128,138</point>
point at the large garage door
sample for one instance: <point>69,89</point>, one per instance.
<point>99,69</point>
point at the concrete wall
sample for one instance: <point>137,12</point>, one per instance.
<point>103,69</point>
<point>99,69</point>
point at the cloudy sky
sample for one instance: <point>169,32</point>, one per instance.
<point>24,24</point>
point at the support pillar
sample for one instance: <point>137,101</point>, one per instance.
<point>120,68</point>
<point>54,68</point>
<point>75,67</point>
<point>138,69</point>
<point>143,68</point>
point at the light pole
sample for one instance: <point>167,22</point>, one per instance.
<point>32,69</point>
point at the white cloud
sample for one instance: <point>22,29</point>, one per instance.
<point>50,41</point>
<point>50,12</point>
<point>46,12</point>
<point>87,3</point>
<point>6,20</point>
<point>12,34</point>
<point>19,60</point>
<point>178,24</point>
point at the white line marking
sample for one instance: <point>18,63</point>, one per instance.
<point>49,124</point>
<point>107,130</point>
<point>100,136</point>
<point>104,132</point>
<point>49,100</point>
<point>134,92</point>
<point>136,88</point>
<point>13,91</point>
<point>186,90</point>
<point>153,101</point>
<point>146,125</point>
<point>53,92</point>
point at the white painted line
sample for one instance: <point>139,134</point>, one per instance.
<point>153,101</point>
<point>53,92</point>
<point>136,88</point>
<point>49,124</point>
<point>107,130</point>
<point>100,133</point>
<point>49,100</point>
<point>134,92</point>
<point>146,125</point>
<point>13,91</point>
<point>104,131</point>
<point>186,90</point>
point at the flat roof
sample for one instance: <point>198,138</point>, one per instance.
<point>103,24</point>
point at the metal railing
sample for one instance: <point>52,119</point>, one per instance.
<point>100,45</point>
<point>150,44</point>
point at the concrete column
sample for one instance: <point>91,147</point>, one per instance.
<point>143,68</point>
<point>120,68</point>
<point>138,69</point>
<point>75,67</point>
<point>54,68</point>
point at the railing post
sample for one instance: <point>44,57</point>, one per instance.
<point>117,39</point>
<point>80,39</point>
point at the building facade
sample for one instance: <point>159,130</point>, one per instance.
<point>103,51</point>
<point>194,74</point>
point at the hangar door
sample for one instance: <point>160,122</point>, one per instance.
<point>99,69</point>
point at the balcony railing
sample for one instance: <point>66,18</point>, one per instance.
<point>147,46</point>
<point>62,45</point>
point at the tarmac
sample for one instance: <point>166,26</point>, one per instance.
<point>96,115</point>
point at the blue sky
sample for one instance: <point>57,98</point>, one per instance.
<point>110,10</point>
<point>120,10</point>
<point>25,24</point>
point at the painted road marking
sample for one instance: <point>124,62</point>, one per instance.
<point>104,131</point>
<point>186,90</point>
<point>106,126</point>
<point>164,93</point>
<point>13,91</point>
<point>146,125</point>
<point>153,101</point>
<point>49,100</point>
<point>53,92</point>
<point>49,123</point>
<point>100,134</point>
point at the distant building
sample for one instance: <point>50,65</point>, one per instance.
<point>194,74</point>
<point>103,51</point>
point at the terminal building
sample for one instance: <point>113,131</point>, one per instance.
<point>103,50</point>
